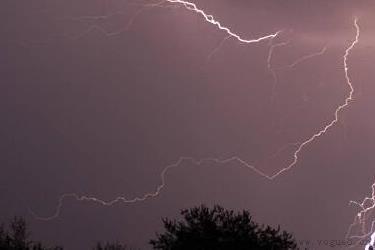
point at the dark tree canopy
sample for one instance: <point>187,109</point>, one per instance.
<point>203,228</point>
<point>111,246</point>
<point>17,237</point>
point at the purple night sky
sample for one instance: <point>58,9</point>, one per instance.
<point>97,97</point>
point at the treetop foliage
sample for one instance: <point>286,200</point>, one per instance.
<point>203,228</point>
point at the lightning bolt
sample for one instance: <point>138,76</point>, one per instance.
<point>217,48</point>
<point>210,19</point>
<point>338,109</point>
<point>189,6</point>
<point>269,65</point>
<point>367,206</point>
<point>306,57</point>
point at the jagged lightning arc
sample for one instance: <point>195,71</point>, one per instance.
<point>338,109</point>
<point>306,57</point>
<point>217,48</point>
<point>367,207</point>
<point>300,146</point>
<point>269,65</point>
<point>210,19</point>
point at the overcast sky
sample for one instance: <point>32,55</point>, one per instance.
<point>97,114</point>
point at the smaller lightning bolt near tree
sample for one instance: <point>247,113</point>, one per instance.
<point>299,146</point>
<point>361,224</point>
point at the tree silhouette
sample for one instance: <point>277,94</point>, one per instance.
<point>110,246</point>
<point>203,228</point>
<point>17,237</point>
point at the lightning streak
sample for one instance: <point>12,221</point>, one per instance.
<point>235,159</point>
<point>147,195</point>
<point>92,22</point>
<point>217,48</point>
<point>337,111</point>
<point>210,19</point>
<point>367,206</point>
<point>304,58</point>
<point>188,5</point>
<point>207,17</point>
<point>269,65</point>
